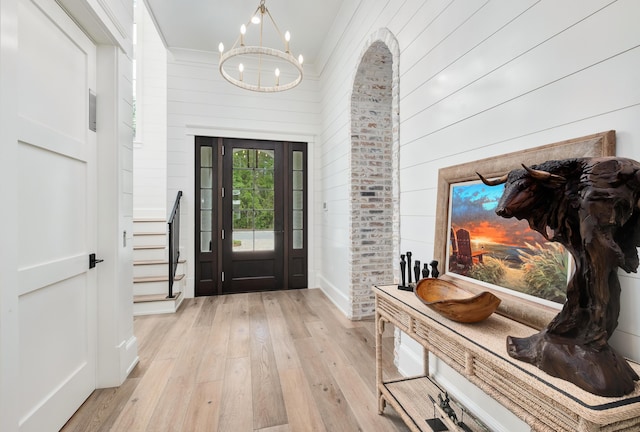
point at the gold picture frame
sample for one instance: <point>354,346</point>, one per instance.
<point>526,311</point>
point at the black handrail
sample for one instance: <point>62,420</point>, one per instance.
<point>174,242</point>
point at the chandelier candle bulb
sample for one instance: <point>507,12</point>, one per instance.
<point>241,69</point>
<point>243,31</point>
<point>277,77</point>
<point>300,59</point>
<point>287,38</point>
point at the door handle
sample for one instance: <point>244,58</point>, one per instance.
<point>93,260</point>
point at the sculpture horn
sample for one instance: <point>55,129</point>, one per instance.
<point>494,182</point>
<point>544,175</point>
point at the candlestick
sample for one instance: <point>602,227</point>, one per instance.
<point>409,265</point>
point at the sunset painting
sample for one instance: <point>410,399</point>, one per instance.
<point>503,252</point>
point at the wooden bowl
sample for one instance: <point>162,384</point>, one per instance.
<point>455,303</point>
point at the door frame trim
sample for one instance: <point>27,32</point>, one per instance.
<point>251,134</point>
<point>193,130</point>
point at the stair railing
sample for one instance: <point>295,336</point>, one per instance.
<point>174,242</point>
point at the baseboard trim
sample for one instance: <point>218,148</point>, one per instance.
<point>495,416</point>
<point>337,297</point>
<point>129,357</point>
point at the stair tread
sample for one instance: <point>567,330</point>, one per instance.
<point>154,297</point>
<point>143,279</point>
<point>149,233</point>
<point>149,220</point>
<point>152,262</point>
<point>140,247</point>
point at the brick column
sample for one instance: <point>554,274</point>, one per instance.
<point>374,172</point>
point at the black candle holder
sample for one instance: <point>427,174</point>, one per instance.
<point>409,265</point>
<point>403,267</point>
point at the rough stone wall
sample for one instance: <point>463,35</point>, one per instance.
<point>374,204</point>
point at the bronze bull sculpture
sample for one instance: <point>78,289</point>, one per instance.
<point>591,206</point>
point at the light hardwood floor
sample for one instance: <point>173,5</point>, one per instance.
<point>269,362</point>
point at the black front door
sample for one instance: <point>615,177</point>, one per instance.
<point>252,212</point>
<point>250,215</point>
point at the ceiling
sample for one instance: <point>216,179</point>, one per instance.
<point>202,24</point>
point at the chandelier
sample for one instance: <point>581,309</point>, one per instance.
<point>257,67</point>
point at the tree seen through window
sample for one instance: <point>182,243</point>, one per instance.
<point>253,189</point>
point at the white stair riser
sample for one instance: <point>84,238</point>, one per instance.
<point>146,270</point>
<point>160,307</point>
<point>149,226</point>
<point>149,239</point>
<point>149,288</point>
<point>150,254</point>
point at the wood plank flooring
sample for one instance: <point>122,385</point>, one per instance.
<point>283,361</point>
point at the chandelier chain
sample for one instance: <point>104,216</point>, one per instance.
<point>275,25</point>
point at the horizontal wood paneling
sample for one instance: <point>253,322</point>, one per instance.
<point>150,174</point>
<point>572,99</point>
<point>534,69</point>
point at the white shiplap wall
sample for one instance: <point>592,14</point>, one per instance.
<point>200,102</point>
<point>479,79</point>
<point>150,142</point>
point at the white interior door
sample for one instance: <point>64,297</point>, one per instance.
<point>57,208</point>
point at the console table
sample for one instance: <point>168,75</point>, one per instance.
<point>478,352</point>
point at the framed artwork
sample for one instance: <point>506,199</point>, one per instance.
<point>484,252</point>
<point>504,253</point>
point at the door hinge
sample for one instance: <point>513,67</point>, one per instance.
<point>222,150</point>
<point>222,276</point>
<point>222,234</point>
<point>222,191</point>
<point>92,111</point>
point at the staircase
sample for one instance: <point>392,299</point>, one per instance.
<point>151,270</point>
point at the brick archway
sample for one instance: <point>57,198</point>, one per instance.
<point>374,223</point>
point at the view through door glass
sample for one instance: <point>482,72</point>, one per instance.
<point>253,200</point>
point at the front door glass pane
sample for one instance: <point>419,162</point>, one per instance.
<point>206,157</point>
<point>298,200</point>
<point>253,200</point>
<point>206,198</point>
